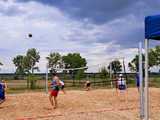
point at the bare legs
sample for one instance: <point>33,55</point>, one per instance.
<point>55,101</point>
<point>54,104</point>
<point>63,91</point>
<point>87,88</point>
<point>1,101</point>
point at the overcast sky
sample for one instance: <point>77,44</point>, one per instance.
<point>98,29</point>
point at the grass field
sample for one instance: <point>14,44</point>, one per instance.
<point>99,104</point>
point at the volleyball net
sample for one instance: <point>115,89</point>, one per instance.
<point>102,74</point>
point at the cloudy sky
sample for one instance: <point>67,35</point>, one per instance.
<point>98,29</point>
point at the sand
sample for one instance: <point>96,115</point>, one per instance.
<point>101,104</point>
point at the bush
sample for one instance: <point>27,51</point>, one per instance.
<point>31,81</point>
<point>104,73</point>
<point>79,75</point>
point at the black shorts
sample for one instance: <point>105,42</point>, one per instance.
<point>62,87</point>
<point>138,84</point>
<point>88,84</point>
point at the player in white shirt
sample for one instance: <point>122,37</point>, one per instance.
<point>121,83</point>
<point>62,86</point>
<point>122,87</point>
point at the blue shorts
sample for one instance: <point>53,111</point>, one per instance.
<point>2,95</point>
<point>138,82</point>
<point>122,87</point>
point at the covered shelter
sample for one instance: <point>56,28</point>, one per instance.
<point>152,32</point>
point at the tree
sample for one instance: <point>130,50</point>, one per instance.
<point>18,62</point>
<point>30,60</point>
<point>80,74</point>
<point>54,60</point>
<point>132,67</point>
<point>116,66</point>
<point>103,72</point>
<point>154,59</point>
<point>156,54</point>
<point>134,64</point>
<point>27,64</point>
<point>74,60</point>
<point>1,64</point>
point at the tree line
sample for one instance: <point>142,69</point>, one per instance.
<point>154,60</point>
<point>27,64</point>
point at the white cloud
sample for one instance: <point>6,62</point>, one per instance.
<point>52,31</point>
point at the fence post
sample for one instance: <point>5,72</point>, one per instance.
<point>46,79</point>
<point>141,82</point>
<point>94,79</point>
<point>73,78</point>
<point>110,71</point>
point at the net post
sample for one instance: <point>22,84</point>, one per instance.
<point>127,82</point>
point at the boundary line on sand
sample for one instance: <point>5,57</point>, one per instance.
<point>81,112</point>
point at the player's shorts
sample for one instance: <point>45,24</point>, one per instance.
<point>88,84</point>
<point>2,95</point>
<point>122,87</point>
<point>137,83</point>
<point>62,87</point>
<point>54,93</point>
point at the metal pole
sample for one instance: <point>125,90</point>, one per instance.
<point>125,72</point>
<point>141,82</point>
<point>110,71</point>
<point>47,78</point>
<point>146,91</point>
